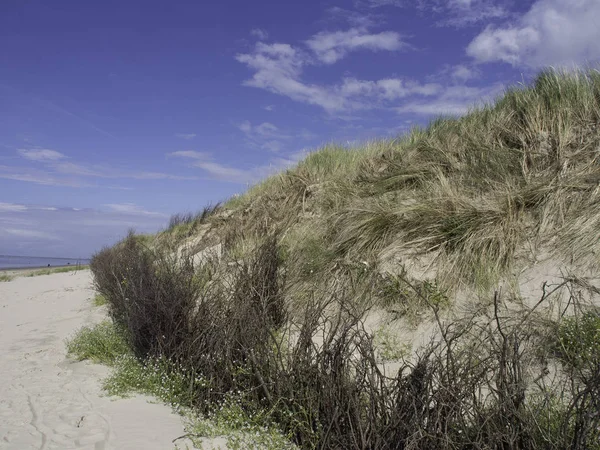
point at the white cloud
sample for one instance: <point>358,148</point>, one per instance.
<point>186,136</point>
<point>41,154</point>
<point>260,34</point>
<point>387,89</point>
<point>354,18</point>
<point>133,209</point>
<point>330,47</point>
<point>463,73</point>
<point>12,207</point>
<point>270,107</point>
<point>265,129</point>
<point>552,32</point>
<point>278,69</point>
<point>462,13</point>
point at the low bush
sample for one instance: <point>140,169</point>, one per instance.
<point>220,337</point>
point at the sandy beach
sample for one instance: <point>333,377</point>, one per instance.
<point>50,402</point>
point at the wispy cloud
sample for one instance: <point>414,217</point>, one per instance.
<point>132,209</point>
<point>330,47</point>
<point>44,177</point>
<point>47,230</point>
<point>265,136</point>
<point>206,162</point>
<point>35,234</point>
<point>552,32</point>
<point>455,13</point>
<point>260,34</point>
<point>56,169</point>
<point>278,68</point>
<point>12,207</point>
<point>40,154</point>
<point>186,136</point>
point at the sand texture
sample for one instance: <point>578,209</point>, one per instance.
<point>50,402</point>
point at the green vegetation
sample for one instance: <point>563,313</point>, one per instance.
<point>52,270</point>
<point>257,312</point>
<point>578,342</point>
<point>5,277</point>
<point>99,300</point>
<point>174,385</point>
<point>102,344</point>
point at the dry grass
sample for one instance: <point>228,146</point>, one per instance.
<point>471,192</point>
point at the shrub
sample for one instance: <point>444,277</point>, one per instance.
<point>209,336</point>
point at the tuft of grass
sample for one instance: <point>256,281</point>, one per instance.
<point>5,277</point>
<point>102,343</point>
<point>99,300</point>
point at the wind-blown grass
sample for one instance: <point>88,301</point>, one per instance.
<point>470,192</point>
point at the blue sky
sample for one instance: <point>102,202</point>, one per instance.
<point>116,114</point>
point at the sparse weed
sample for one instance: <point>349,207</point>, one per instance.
<point>388,346</point>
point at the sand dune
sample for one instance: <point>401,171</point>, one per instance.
<point>49,402</point>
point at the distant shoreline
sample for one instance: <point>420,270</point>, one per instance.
<point>28,271</point>
<point>52,266</point>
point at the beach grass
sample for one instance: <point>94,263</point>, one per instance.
<point>5,277</point>
<point>53,270</point>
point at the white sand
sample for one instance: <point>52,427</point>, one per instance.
<point>49,402</point>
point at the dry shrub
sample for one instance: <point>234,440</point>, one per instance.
<point>316,374</point>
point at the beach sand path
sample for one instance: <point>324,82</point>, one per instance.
<point>49,402</point>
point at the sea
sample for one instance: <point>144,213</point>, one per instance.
<point>24,262</point>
